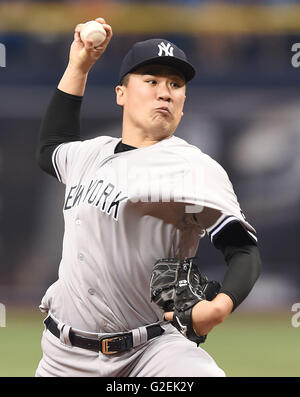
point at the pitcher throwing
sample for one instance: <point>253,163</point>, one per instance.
<point>130,300</point>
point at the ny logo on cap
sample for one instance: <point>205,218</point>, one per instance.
<point>166,48</point>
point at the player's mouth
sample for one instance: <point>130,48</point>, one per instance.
<point>163,110</point>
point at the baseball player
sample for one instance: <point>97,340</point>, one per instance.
<point>134,207</point>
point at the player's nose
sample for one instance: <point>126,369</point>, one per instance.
<point>164,97</point>
<point>163,93</point>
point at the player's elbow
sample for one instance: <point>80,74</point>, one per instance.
<point>44,159</point>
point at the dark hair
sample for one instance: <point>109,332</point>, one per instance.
<point>125,80</point>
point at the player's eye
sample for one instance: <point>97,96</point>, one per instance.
<point>175,84</point>
<point>151,81</point>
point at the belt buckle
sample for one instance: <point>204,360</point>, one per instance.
<point>105,346</point>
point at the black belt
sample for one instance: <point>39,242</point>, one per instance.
<point>109,344</point>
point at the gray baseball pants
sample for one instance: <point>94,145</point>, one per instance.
<point>168,355</point>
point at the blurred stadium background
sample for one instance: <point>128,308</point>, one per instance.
<point>242,109</point>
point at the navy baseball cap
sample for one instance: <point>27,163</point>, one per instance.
<point>156,51</point>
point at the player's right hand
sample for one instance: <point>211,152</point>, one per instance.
<point>83,55</point>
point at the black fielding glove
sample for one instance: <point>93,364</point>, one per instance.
<point>178,286</point>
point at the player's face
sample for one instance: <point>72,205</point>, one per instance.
<point>153,100</point>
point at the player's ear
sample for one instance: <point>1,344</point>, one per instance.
<point>183,105</point>
<point>120,91</point>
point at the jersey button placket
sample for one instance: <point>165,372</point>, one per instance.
<point>80,254</point>
<point>81,257</point>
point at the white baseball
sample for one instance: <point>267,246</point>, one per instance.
<point>93,30</point>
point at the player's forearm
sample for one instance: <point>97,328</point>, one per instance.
<point>223,306</point>
<point>207,314</point>
<point>73,81</point>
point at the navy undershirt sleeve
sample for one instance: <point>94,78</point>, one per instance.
<point>61,124</point>
<point>242,257</point>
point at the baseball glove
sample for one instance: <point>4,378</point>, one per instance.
<point>177,286</point>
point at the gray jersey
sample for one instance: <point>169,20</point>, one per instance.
<point>124,211</point>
